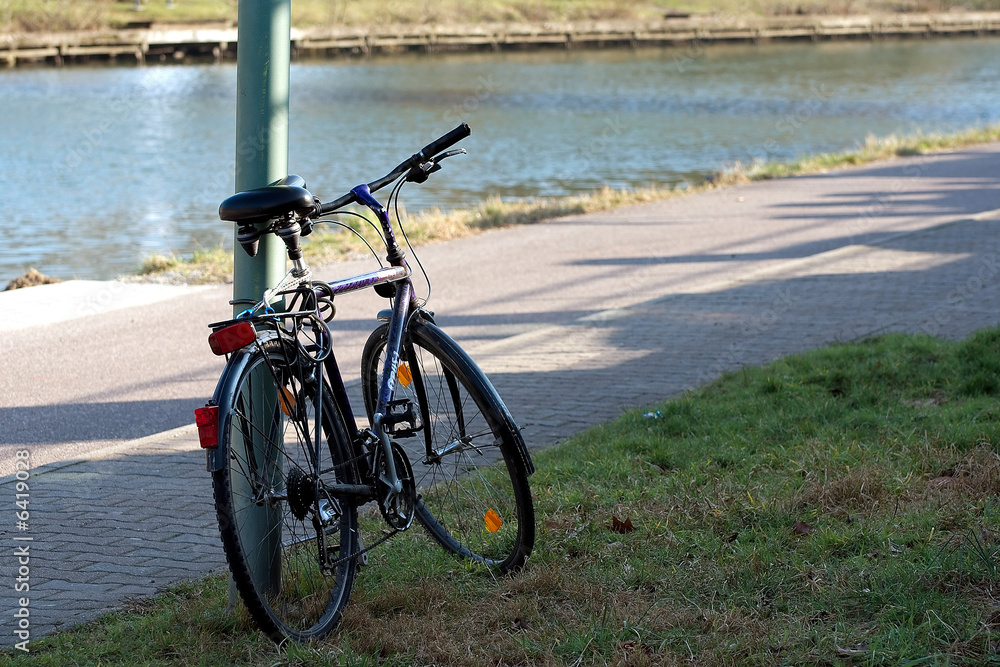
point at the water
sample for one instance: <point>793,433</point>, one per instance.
<point>100,167</point>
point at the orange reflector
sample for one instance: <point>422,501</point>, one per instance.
<point>403,375</point>
<point>207,419</point>
<point>287,401</point>
<point>493,520</point>
<point>232,338</point>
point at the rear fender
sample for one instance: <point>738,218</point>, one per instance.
<point>215,458</point>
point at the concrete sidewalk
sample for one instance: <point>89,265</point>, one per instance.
<point>751,274</point>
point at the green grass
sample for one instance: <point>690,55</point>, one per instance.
<point>204,266</point>
<point>322,246</point>
<point>838,507</point>
<point>42,15</point>
<point>873,149</point>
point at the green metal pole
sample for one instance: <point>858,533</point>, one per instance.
<point>263,54</point>
<point>263,58</point>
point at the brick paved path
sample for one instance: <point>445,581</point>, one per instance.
<point>752,274</point>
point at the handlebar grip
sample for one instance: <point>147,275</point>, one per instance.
<point>447,141</point>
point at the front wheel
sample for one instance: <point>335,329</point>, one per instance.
<point>469,461</point>
<point>284,532</point>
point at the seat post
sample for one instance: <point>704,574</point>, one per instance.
<point>290,232</point>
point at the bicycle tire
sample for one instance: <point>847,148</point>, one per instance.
<point>268,445</point>
<point>456,405</point>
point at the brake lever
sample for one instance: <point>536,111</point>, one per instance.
<point>452,152</point>
<point>420,172</point>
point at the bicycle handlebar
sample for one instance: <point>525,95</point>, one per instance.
<point>426,153</point>
<point>445,142</point>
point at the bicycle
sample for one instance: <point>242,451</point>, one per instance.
<point>291,468</point>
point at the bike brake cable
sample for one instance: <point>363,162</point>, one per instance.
<point>394,200</point>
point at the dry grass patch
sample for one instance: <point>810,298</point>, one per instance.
<point>31,278</point>
<point>845,493</point>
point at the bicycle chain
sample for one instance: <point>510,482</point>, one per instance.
<point>395,531</point>
<point>360,455</point>
<point>371,546</point>
<point>342,464</point>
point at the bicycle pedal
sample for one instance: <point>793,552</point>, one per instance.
<point>401,420</point>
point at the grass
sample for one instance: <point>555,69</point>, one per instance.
<point>873,149</point>
<point>323,245</point>
<point>838,507</point>
<point>329,244</point>
<point>50,15</point>
<point>204,266</point>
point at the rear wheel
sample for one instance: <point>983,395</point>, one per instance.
<point>467,455</point>
<point>283,531</point>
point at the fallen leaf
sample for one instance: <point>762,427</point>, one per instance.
<point>629,647</point>
<point>619,526</point>
<point>802,528</point>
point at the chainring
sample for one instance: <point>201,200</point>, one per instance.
<point>397,508</point>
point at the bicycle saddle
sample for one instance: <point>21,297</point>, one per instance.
<point>259,205</point>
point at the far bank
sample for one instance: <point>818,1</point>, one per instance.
<point>217,40</point>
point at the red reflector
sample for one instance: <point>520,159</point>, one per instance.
<point>232,338</point>
<point>207,419</point>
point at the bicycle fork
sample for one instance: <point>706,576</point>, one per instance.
<point>392,349</point>
<point>398,500</point>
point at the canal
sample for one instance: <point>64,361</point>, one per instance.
<point>100,167</point>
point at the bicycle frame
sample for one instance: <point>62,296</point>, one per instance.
<point>405,303</point>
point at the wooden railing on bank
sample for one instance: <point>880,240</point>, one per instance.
<point>219,40</point>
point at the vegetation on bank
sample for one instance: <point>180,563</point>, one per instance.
<point>837,507</point>
<point>53,15</point>
<point>324,245</point>
<point>32,278</point>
